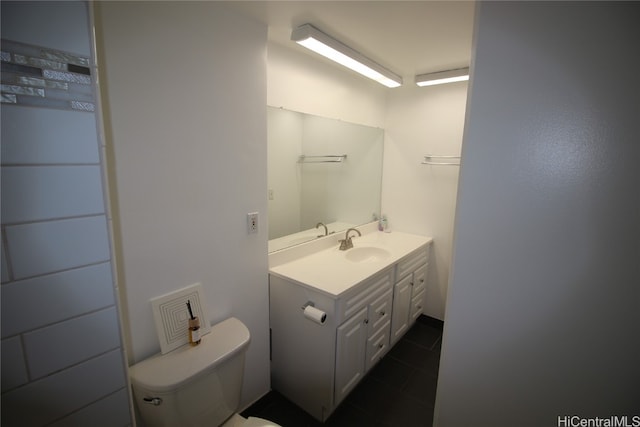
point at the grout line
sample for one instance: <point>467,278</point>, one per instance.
<point>56,322</point>
<point>436,343</point>
<point>51,273</point>
<point>53,164</point>
<point>60,218</point>
<point>7,255</point>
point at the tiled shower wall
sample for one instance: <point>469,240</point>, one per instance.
<point>62,358</point>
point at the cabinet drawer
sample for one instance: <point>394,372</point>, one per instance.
<point>420,279</point>
<point>379,312</point>
<point>363,294</point>
<point>378,345</point>
<point>411,262</point>
<point>417,305</point>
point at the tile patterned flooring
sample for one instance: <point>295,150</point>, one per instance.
<point>399,391</point>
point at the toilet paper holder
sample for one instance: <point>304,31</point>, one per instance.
<point>315,315</point>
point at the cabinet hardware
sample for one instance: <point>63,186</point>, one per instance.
<point>366,321</point>
<point>382,313</point>
<point>380,345</point>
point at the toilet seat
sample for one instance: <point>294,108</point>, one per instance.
<point>258,422</point>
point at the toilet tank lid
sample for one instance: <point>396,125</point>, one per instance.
<point>167,372</point>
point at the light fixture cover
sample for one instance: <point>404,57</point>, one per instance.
<point>449,76</point>
<point>310,37</point>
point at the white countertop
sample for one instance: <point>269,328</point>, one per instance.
<point>330,272</point>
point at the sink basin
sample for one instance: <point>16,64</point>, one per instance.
<point>367,254</point>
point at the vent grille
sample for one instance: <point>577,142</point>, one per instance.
<point>172,316</point>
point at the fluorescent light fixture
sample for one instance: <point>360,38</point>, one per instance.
<point>310,37</point>
<point>450,76</point>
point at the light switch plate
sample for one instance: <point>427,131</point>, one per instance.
<point>172,316</point>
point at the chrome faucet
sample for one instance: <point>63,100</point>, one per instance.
<point>326,230</point>
<point>347,243</point>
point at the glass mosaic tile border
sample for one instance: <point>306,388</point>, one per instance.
<point>41,77</point>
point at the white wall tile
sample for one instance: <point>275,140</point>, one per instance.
<point>56,24</point>
<point>33,303</point>
<point>39,135</point>
<point>45,400</point>
<point>14,371</point>
<point>47,192</point>
<point>40,248</point>
<point>112,411</point>
<point>64,344</point>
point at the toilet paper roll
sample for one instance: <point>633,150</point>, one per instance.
<point>315,315</point>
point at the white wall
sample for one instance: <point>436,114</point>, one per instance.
<point>300,82</point>
<point>543,312</point>
<point>185,92</point>
<point>62,358</point>
<point>420,198</point>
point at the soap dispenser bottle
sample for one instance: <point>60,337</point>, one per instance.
<point>383,224</point>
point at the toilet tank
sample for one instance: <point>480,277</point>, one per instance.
<point>193,385</point>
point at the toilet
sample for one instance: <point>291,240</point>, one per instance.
<point>196,386</point>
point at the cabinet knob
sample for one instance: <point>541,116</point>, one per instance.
<point>382,313</point>
<point>380,345</point>
<point>366,321</point>
<point>421,280</point>
<point>411,283</point>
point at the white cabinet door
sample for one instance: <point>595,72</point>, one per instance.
<point>401,308</point>
<point>350,354</point>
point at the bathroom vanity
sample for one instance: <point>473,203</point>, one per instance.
<point>371,294</point>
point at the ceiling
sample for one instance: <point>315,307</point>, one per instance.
<point>407,37</point>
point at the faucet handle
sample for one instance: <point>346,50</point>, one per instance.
<point>345,244</point>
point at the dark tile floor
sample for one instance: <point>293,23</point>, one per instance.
<point>399,391</point>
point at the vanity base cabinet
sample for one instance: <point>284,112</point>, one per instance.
<point>317,365</point>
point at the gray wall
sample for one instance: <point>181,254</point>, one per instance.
<point>543,316</point>
<point>62,360</point>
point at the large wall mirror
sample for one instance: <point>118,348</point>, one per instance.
<point>320,170</point>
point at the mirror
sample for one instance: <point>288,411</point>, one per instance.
<point>320,170</point>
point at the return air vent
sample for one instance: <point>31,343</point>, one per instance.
<point>172,317</point>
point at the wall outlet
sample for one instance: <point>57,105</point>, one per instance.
<point>252,222</point>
